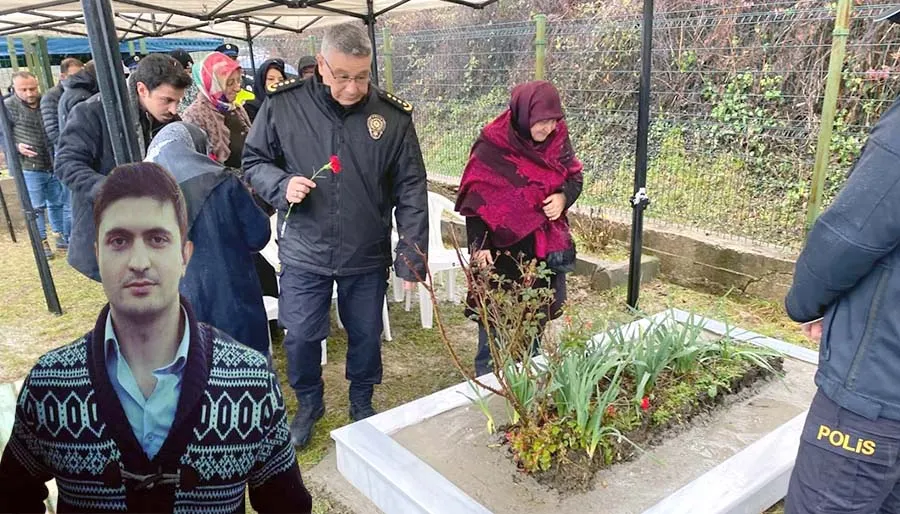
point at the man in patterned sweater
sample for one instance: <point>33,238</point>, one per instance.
<point>151,411</point>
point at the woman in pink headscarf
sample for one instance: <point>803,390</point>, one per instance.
<point>218,80</point>
<point>521,177</point>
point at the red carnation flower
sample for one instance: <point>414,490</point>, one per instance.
<point>645,403</point>
<point>335,164</point>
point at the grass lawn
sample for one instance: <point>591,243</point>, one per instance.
<point>415,363</point>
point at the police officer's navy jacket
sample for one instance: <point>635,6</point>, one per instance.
<point>849,273</point>
<point>343,227</point>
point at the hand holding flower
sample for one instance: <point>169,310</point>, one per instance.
<point>298,187</point>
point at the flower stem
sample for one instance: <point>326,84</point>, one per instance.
<point>284,223</point>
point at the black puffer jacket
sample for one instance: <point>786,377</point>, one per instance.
<point>83,160</point>
<point>343,227</point>
<point>49,109</point>
<point>76,89</point>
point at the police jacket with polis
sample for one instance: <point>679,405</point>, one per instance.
<point>849,272</point>
<point>343,226</point>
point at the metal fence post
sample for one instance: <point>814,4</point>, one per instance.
<point>13,53</point>
<point>313,46</point>
<point>131,48</point>
<point>829,106</point>
<point>388,45</point>
<point>640,200</point>
<point>142,45</point>
<point>540,45</point>
<point>37,64</point>
<point>46,69</point>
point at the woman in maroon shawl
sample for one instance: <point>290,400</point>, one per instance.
<point>521,177</point>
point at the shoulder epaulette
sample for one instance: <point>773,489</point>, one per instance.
<point>284,85</point>
<point>399,103</point>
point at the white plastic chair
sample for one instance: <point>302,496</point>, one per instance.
<point>270,254</point>
<point>442,261</point>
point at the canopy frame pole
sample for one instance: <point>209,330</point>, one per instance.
<point>370,24</point>
<point>250,47</point>
<point>120,120</point>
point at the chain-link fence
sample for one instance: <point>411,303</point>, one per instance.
<point>736,102</point>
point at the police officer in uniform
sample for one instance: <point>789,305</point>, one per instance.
<point>846,291</point>
<point>337,228</point>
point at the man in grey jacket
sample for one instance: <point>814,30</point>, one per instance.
<point>44,190</point>
<point>846,290</point>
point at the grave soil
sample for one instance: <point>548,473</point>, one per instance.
<point>458,446</point>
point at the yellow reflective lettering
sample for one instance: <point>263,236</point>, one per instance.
<point>823,432</point>
<point>845,446</point>
<point>840,438</point>
<point>868,447</point>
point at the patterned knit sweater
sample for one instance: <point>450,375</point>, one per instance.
<point>230,430</point>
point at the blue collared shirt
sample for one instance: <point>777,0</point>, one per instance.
<point>150,418</point>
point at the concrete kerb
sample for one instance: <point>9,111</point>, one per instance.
<point>383,470</point>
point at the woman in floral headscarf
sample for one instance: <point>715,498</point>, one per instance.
<point>218,79</point>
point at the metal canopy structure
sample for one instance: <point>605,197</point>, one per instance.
<point>238,19</point>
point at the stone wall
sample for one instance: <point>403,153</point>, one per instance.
<point>702,261</point>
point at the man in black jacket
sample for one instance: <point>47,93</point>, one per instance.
<point>85,156</point>
<point>50,100</point>
<point>337,227</point>
<point>49,112</point>
<point>77,88</point>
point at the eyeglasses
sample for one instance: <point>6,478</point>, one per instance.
<point>344,79</point>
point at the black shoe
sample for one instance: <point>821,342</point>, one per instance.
<point>312,408</point>
<point>361,402</point>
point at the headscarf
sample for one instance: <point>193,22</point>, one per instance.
<point>509,175</point>
<point>259,80</point>
<point>182,148</point>
<point>211,77</point>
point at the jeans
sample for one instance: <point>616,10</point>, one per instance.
<point>67,214</point>
<point>46,193</point>
<point>303,310</point>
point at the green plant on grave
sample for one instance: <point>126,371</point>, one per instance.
<point>584,382</point>
<point>567,398</point>
<point>513,313</point>
<point>676,349</point>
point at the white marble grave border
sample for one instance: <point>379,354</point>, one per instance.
<point>398,482</point>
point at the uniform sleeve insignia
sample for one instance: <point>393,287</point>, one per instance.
<point>397,102</point>
<point>284,85</point>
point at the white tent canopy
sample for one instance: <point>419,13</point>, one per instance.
<point>240,19</point>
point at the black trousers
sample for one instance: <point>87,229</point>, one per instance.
<point>483,355</point>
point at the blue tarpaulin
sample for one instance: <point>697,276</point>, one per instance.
<point>79,45</point>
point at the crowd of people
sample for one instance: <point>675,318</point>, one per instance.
<point>176,378</point>
<point>172,401</point>
<point>175,242</point>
